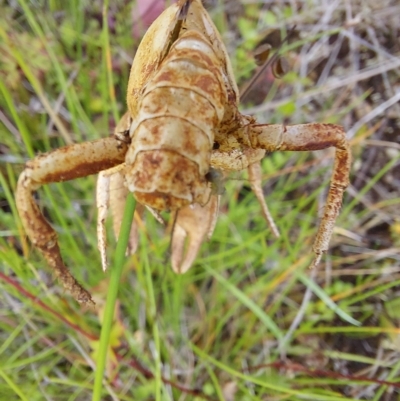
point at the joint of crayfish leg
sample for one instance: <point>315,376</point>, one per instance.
<point>85,298</point>
<point>343,145</point>
<point>269,137</point>
<point>245,136</point>
<point>316,261</point>
<point>339,186</point>
<point>123,137</point>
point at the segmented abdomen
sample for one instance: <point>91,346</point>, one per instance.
<point>173,133</point>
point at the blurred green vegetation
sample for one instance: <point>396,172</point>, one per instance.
<point>224,327</point>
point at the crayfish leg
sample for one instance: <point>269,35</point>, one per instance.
<point>255,178</point>
<point>112,194</point>
<point>62,164</point>
<point>309,137</point>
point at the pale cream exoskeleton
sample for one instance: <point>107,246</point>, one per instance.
<point>182,121</point>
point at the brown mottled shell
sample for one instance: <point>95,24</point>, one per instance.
<point>176,99</point>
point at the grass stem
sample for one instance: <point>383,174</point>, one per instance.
<point>115,275</point>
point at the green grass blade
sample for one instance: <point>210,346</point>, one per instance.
<point>115,275</point>
<point>12,385</point>
<point>152,315</point>
<point>317,290</point>
<point>269,323</point>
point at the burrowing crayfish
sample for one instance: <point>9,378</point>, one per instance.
<point>182,123</point>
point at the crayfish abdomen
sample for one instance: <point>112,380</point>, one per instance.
<point>173,132</point>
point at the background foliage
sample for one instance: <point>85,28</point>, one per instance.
<point>246,322</point>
